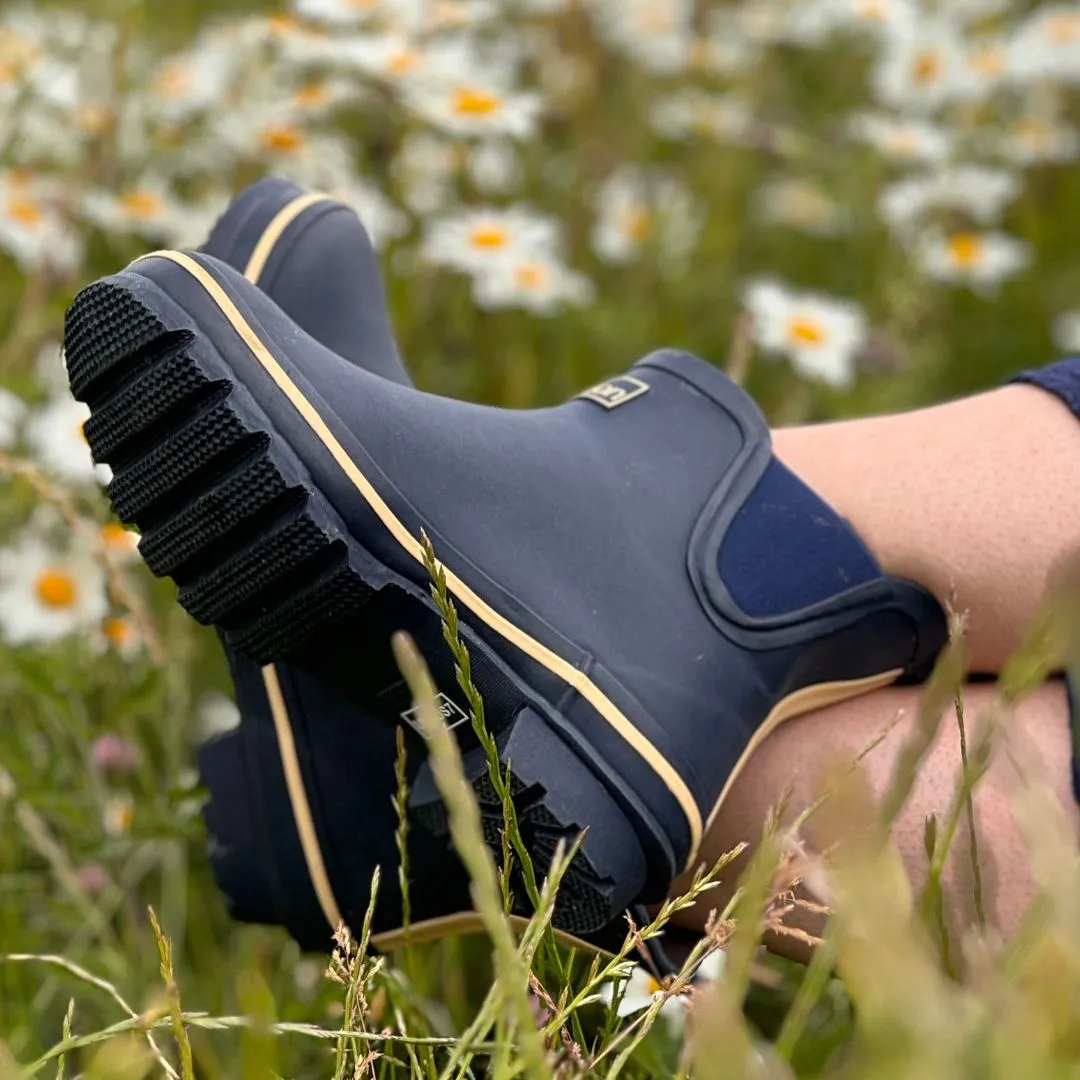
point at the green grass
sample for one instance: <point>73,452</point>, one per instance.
<point>119,958</point>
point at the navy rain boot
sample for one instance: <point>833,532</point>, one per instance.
<point>305,764</point>
<point>644,589</point>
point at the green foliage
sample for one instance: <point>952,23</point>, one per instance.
<point>91,985</point>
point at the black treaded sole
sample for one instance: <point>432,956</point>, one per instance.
<point>226,510</point>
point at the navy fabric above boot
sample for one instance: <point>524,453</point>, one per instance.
<point>644,590</point>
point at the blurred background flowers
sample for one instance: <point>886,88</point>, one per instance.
<point>860,205</point>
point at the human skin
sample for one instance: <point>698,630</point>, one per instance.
<point>801,755</point>
<point>979,501</point>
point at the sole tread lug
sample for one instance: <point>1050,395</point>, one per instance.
<point>138,411</point>
<point>335,594</point>
<point>276,553</point>
<point>172,468</point>
<point>108,333</point>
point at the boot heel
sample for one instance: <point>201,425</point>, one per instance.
<point>556,797</point>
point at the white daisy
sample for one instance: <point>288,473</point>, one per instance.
<point>476,239</point>
<point>54,433</point>
<point>626,218</point>
<point>352,12</point>
<point>45,594</point>
<point>635,207</point>
<point>1047,44</point>
<point>979,259</point>
<point>12,411</point>
<point>921,69</point>
<point>724,49</point>
<point>118,634</point>
<point>820,334</point>
<point>147,208</point>
<point>802,205</point>
<point>693,112</point>
<point>118,814</point>
<point>901,139</point>
<point>438,15</point>
<point>984,68</point>
<point>657,34</point>
<point>394,58</point>
<point>195,81</point>
<point>32,231</point>
<point>1036,139</point>
<point>217,714</point>
<point>712,968</point>
<point>641,990</point>
<point>885,18</point>
<point>476,107</point>
<point>1065,331</point>
<point>121,544</point>
<point>539,283</point>
<point>979,192</point>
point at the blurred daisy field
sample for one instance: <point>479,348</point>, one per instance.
<point>851,205</point>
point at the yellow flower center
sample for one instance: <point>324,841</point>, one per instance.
<point>118,632</point>
<point>965,248</point>
<point>1064,28</point>
<point>1034,133</point>
<point>636,222</point>
<point>926,68</point>
<point>805,331</point>
<point>988,61</point>
<point>16,51</point>
<point>140,203</point>
<point>56,588</point>
<point>174,82</point>
<point>93,117</point>
<point>655,985</point>
<point>446,13</point>
<point>469,101</point>
<point>282,138</point>
<point>402,62</point>
<point>870,9</point>
<point>24,210</point>
<point>283,24</point>
<point>312,96</point>
<point>489,237</point>
<point>114,535</point>
<point>903,143</point>
<point>530,276</point>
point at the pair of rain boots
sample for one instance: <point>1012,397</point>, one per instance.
<point>645,591</point>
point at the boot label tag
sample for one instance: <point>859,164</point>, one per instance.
<point>615,392</point>
<point>451,713</point>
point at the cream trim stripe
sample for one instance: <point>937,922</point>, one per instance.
<point>294,781</point>
<point>799,703</point>
<point>272,234</point>
<point>532,648</point>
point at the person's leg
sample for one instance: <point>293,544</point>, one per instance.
<point>977,499</point>
<point>801,752</point>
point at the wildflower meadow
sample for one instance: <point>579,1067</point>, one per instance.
<point>853,206</point>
